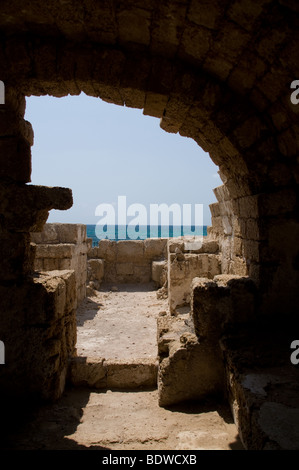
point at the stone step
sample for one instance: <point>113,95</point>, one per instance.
<point>117,339</point>
<point>99,373</point>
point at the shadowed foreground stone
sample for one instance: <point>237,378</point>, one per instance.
<point>104,374</point>
<point>189,369</point>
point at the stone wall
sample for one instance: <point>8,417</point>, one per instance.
<point>206,72</point>
<point>218,72</point>
<point>127,261</point>
<point>193,338</point>
<point>36,331</point>
<point>184,265</point>
<point>63,246</point>
<point>39,338</point>
<point>188,369</point>
<point>225,229</point>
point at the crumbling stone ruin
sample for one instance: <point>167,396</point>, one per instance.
<point>223,73</point>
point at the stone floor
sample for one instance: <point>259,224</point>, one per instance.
<point>119,323</point>
<point>117,338</point>
<point>116,420</point>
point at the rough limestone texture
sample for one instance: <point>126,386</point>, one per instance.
<point>262,386</point>
<point>116,338</point>
<point>63,246</point>
<point>129,261</point>
<point>218,72</point>
<point>190,357</point>
<point>225,300</point>
<point>184,265</point>
<point>45,332</point>
<point>189,369</point>
<point>95,274</point>
<point>122,421</point>
<point>225,229</point>
<point>243,115</point>
<point>159,273</point>
<point>99,373</point>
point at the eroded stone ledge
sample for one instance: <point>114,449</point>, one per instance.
<point>99,373</point>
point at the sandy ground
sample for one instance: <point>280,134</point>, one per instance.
<point>121,324</point>
<point>116,420</point>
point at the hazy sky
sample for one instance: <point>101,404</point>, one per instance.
<point>102,151</point>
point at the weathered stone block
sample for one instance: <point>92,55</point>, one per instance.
<point>244,14</point>
<point>226,208</point>
<point>95,269</point>
<point>63,264</point>
<point>24,208</point>
<point>217,224</point>
<point>130,375</point>
<point>207,246</point>
<point>12,124</point>
<point>175,246</point>
<point>278,203</point>
<point>248,207</point>
<point>141,274</point>
<point>15,159</point>
<point>252,229</point>
<point>59,250</point>
<point>237,228</point>
<point>110,274</point>
<point>182,268</point>
<point>239,267</point>
<point>93,252</point>
<point>15,255</point>
<point>71,233</point>
<point>46,236</point>
<point>52,254</point>
<point>215,210</point>
<point>195,41</point>
<point>189,369</point>
<point>124,268</point>
<point>107,250</point>
<point>129,251</point>
<point>205,14</point>
<point>40,333</point>
<point>134,25</point>
<point>158,269</point>
<point>39,265</point>
<point>221,193</point>
<point>51,264</point>
<point>155,104</point>
<point>249,132</point>
<point>238,246</point>
<point>155,248</point>
<point>61,293</point>
<point>66,234</point>
<point>252,250</point>
<point>225,299</point>
<point>88,371</point>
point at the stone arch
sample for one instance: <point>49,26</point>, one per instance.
<point>240,137</point>
<point>218,72</point>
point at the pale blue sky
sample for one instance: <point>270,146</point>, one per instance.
<point>102,151</point>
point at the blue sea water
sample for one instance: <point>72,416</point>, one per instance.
<point>126,232</point>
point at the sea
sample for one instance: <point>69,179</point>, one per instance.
<point>128,232</point>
